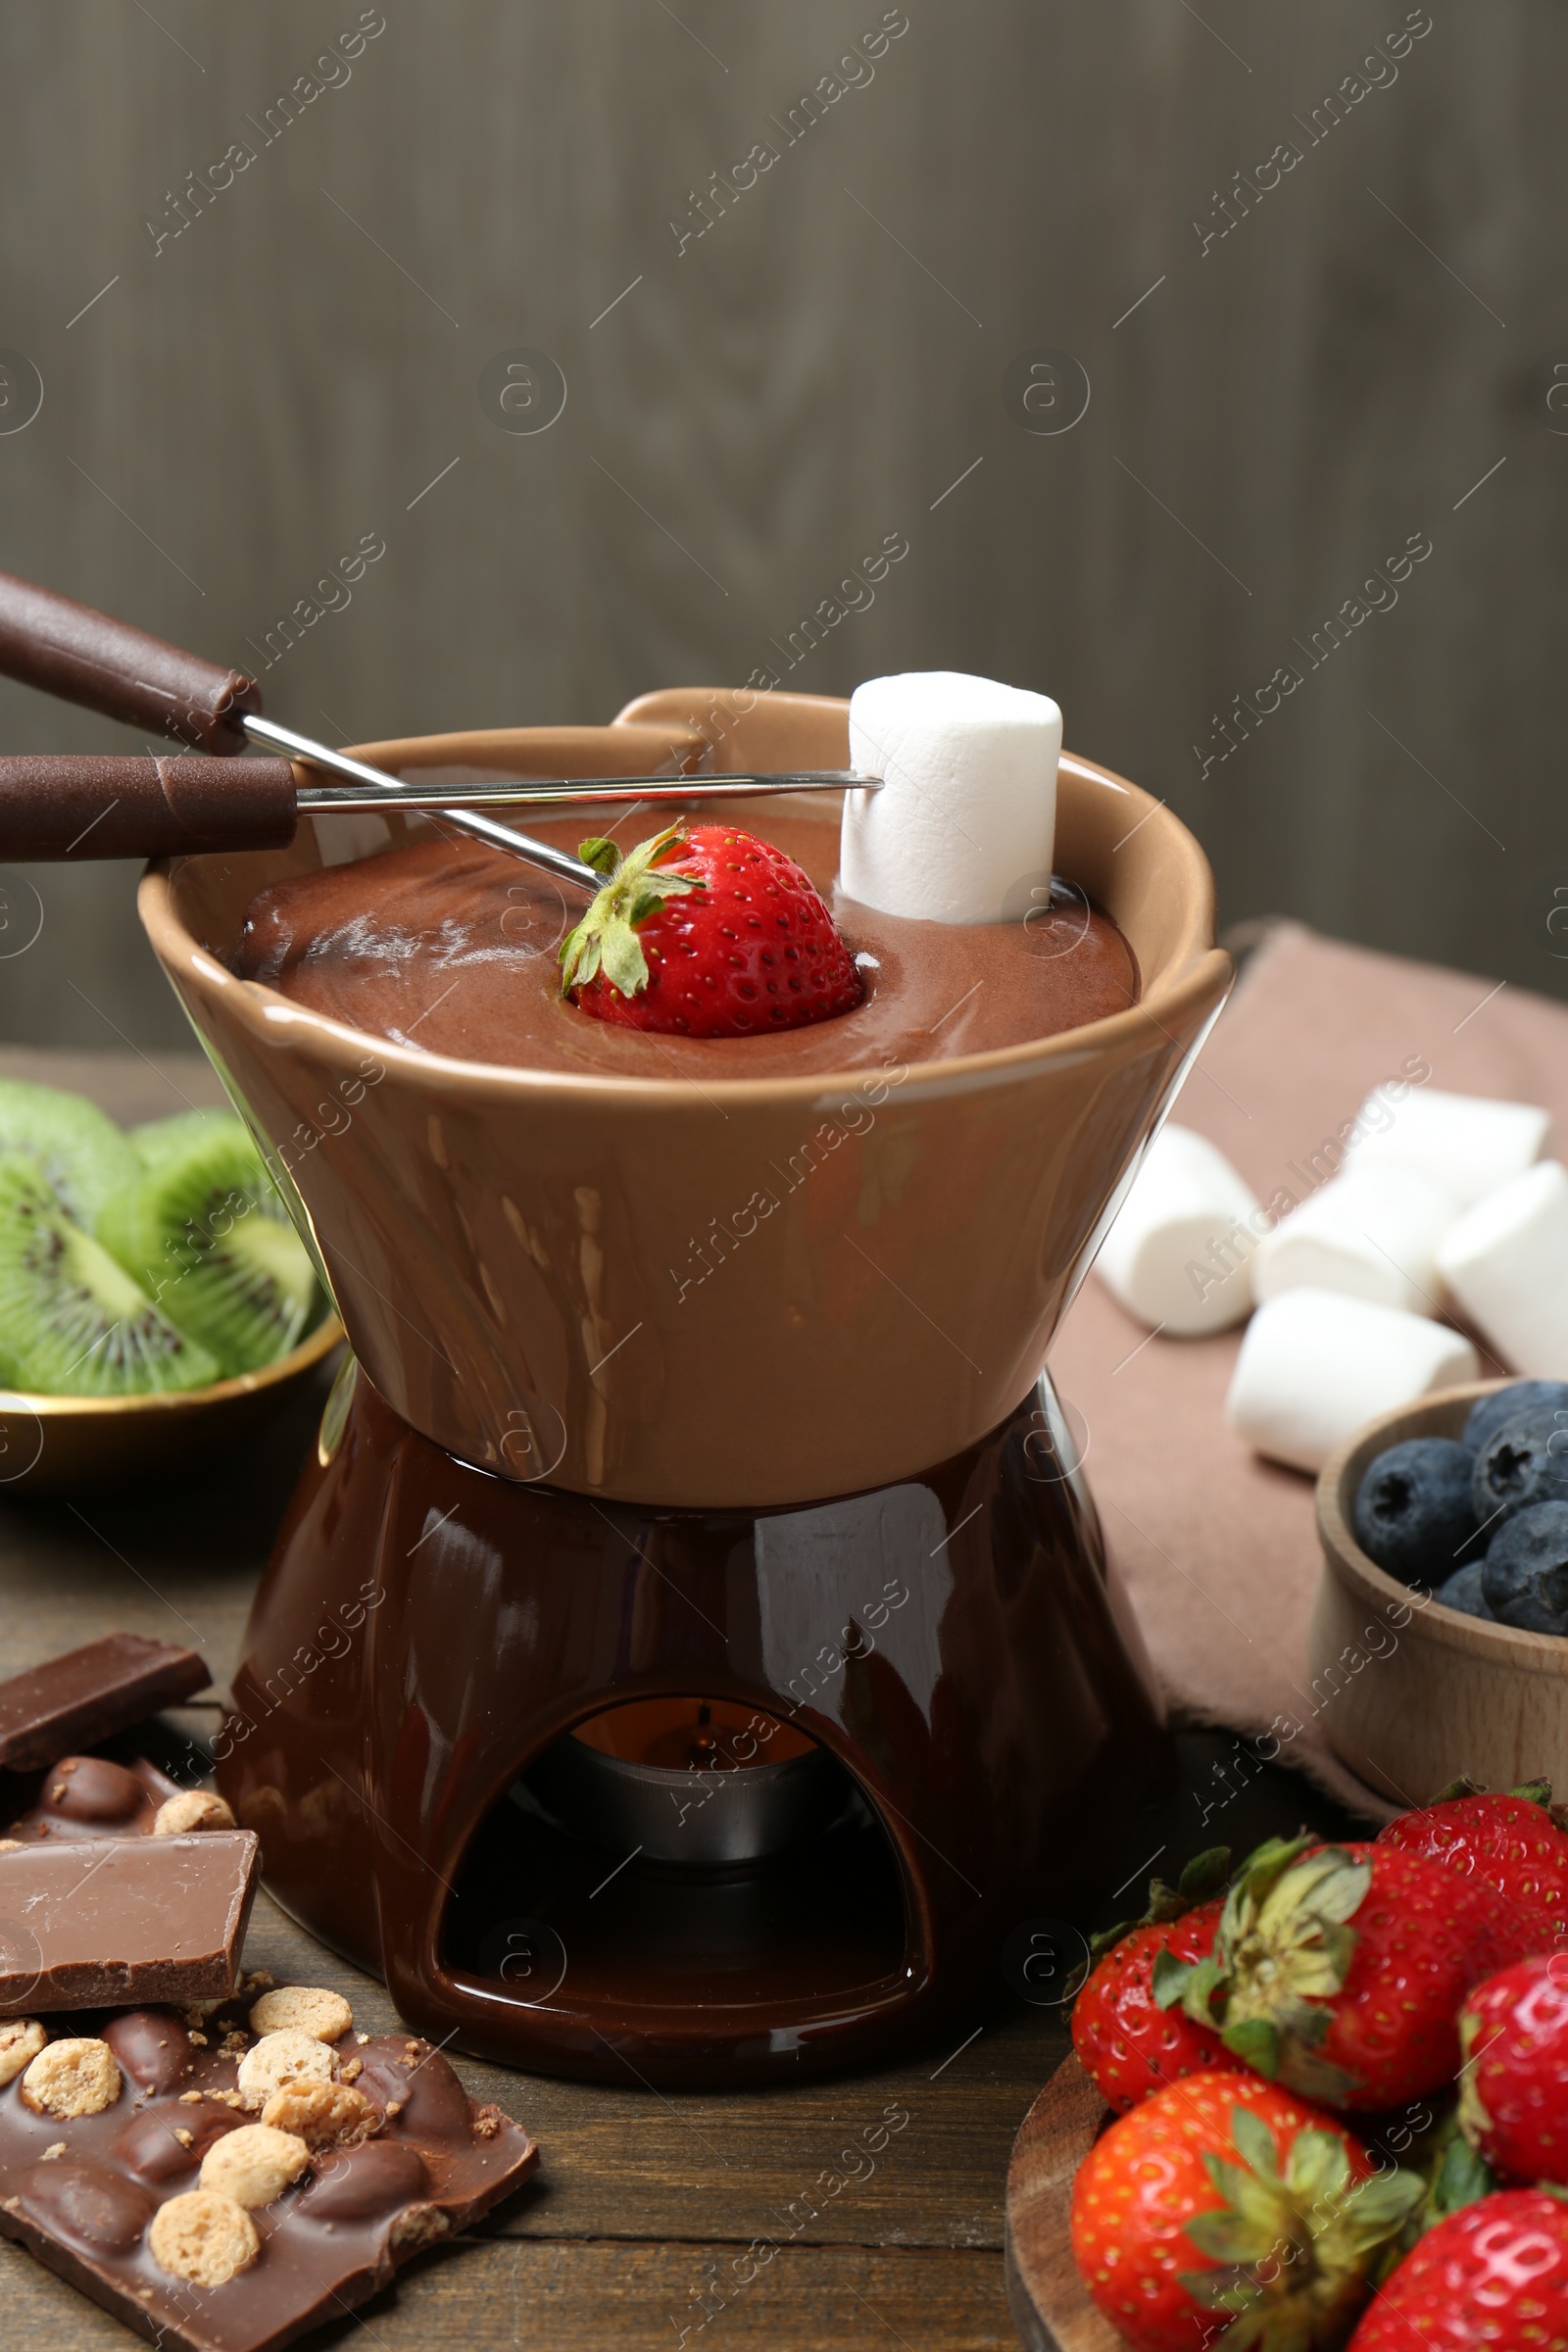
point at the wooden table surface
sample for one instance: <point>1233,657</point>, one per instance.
<point>641,2222</point>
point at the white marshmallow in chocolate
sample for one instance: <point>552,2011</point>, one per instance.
<point>1506,1265</point>
<point>1179,1254</point>
<point>1466,1143</point>
<point>1372,1234</point>
<point>964,825</point>
<point>1316,1365</point>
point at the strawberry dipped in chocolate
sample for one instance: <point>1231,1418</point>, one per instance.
<point>707,932</point>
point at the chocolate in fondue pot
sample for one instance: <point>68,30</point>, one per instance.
<point>700,1374</point>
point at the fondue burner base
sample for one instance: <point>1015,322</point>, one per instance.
<point>428,1632</point>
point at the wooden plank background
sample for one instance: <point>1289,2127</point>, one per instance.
<point>1292,400</point>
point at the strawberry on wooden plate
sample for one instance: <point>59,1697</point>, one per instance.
<point>1492,2278</point>
<point>1511,1839</point>
<point>1514,2091</point>
<point>1123,2039</point>
<point>1225,2206</point>
<point>1339,1968</point>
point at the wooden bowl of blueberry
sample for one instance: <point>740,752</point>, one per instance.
<point>1441,1624</point>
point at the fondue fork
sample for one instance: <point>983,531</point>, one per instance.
<point>54,808</point>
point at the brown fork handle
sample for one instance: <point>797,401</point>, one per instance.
<point>59,807</point>
<point>84,657</point>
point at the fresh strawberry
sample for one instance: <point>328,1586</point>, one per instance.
<point>1509,1840</point>
<point>1514,2091</point>
<point>1492,2278</point>
<point>707,933</point>
<point>1222,2204</point>
<point>1123,2039</point>
<point>1339,1970</point>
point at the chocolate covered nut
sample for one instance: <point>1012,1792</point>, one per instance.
<point>324,2115</point>
<point>86,2202</point>
<point>254,2164</point>
<point>21,2041</point>
<point>356,2183</point>
<point>422,2089</point>
<point>192,1809</point>
<point>92,1788</point>
<point>416,2226</point>
<point>172,2137</point>
<point>75,2076</point>
<point>303,2009</point>
<point>204,2238</point>
<point>151,2045</point>
<point>279,2060</point>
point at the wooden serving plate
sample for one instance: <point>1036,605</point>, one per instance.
<point>1048,2301</point>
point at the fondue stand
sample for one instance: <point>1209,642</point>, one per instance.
<point>704,1685</point>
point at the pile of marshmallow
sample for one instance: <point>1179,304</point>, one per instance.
<point>1442,1206</point>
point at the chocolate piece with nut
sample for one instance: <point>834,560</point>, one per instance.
<point>136,2166</point>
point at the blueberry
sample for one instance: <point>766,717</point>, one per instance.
<point>1489,1413</point>
<point>1523,1463</point>
<point>1464,1592</point>
<point>1414,1514</point>
<point>1525,1580</point>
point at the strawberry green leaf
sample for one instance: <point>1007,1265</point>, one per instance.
<point>637,885</point>
<point>1257,2043</point>
<point>1255,2142</point>
<point>1170,1978</point>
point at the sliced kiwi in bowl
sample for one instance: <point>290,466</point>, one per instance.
<point>72,1322</point>
<point>162,1139</point>
<point>203,1230</point>
<point>82,1155</point>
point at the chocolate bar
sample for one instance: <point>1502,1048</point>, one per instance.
<point>103,1919</point>
<point>75,1700</point>
<point>109,2199</point>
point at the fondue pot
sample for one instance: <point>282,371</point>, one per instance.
<point>833,1525</point>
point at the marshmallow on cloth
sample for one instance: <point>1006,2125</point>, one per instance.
<point>1372,1234</point>
<point>1316,1365</point>
<point>964,827</point>
<point>1179,1254</point>
<point>1506,1265</point>
<point>1466,1143</point>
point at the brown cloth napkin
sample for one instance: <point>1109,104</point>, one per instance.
<point>1218,1549</point>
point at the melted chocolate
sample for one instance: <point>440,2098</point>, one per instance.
<point>450,947</point>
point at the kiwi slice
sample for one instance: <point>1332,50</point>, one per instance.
<point>204,1229</point>
<point>72,1323</point>
<point>82,1154</point>
<point>161,1139</point>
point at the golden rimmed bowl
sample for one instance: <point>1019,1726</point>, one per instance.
<point>54,1444</point>
<point>1410,1694</point>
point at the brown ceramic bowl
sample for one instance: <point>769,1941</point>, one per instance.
<point>56,1444</point>
<point>1410,1694</point>
<point>492,1236</point>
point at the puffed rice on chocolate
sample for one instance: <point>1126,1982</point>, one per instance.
<point>204,2238</point>
<point>303,2009</point>
<point>253,2165</point>
<point>280,2059</point>
<point>75,2076</point>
